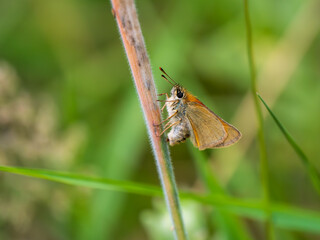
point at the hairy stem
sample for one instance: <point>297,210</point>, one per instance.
<point>125,14</point>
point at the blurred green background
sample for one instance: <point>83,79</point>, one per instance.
<point>67,102</point>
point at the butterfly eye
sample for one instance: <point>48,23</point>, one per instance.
<point>179,94</point>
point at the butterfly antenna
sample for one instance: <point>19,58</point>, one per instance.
<point>167,79</point>
<point>175,83</point>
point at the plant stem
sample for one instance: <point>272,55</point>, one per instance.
<point>262,145</point>
<point>125,14</point>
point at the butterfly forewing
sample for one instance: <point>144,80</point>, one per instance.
<point>207,130</point>
<point>233,135</point>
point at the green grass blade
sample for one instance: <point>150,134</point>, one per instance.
<point>312,171</point>
<point>262,146</point>
<point>104,212</point>
<point>85,181</point>
<point>230,224</point>
<point>283,216</point>
<point>204,172</point>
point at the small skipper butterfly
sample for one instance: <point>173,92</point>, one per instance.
<point>189,117</point>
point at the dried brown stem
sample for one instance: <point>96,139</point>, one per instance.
<point>125,14</point>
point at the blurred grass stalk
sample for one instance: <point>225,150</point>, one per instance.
<point>230,224</point>
<point>311,169</point>
<point>262,145</point>
<point>284,216</point>
<point>125,14</point>
<point>287,53</point>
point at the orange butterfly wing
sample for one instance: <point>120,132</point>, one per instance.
<point>207,129</point>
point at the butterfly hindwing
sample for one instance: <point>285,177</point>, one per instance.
<point>207,130</point>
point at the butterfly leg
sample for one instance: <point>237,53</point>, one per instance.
<point>160,100</point>
<point>164,105</point>
<point>161,94</point>
<point>167,119</point>
<point>167,96</point>
<point>175,123</point>
<point>166,101</point>
<point>166,124</point>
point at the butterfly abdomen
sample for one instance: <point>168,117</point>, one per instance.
<point>178,133</point>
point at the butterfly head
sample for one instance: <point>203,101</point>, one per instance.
<point>178,92</point>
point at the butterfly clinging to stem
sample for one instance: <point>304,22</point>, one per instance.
<point>189,117</point>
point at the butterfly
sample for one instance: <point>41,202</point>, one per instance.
<point>188,117</point>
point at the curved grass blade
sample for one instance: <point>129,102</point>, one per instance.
<point>86,181</point>
<point>284,216</point>
<point>231,225</point>
<point>312,171</point>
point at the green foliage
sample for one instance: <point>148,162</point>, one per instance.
<point>282,215</point>
<point>67,102</point>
